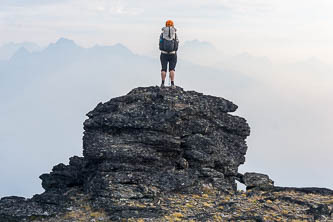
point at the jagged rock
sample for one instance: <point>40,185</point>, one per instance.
<point>164,139</point>
<point>18,208</point>
<point>256,181</point>
<point>63,176</point>
<point>163,155</point>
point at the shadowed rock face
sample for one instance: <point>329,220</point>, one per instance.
<point>156,140</point>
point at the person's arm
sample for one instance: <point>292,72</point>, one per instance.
<point>161,41</point>
<point>177,42</point>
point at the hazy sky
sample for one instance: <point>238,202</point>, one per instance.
<point>279,29</point>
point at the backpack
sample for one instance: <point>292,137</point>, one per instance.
<point>168,45</point>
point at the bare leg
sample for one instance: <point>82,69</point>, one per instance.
<point>172,75</point>
<point>163,75</point>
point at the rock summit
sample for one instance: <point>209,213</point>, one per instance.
<point>145,152</point>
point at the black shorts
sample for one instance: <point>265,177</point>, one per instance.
<point>171,58</point>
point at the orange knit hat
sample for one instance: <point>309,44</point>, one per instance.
<point>169,23</point>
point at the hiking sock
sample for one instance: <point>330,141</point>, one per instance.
<point>172,83</point>
<point>162,84</point>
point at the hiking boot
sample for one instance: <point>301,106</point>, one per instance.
<point>162,85</point>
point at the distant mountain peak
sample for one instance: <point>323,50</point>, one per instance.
<point>116,48</point>
<point>122,47</point>
<point>11,48</point>
<point>65,42</point>
<point>21,52</point>
<point>119,45</point>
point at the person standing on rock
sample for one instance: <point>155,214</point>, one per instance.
<point>168,45</point>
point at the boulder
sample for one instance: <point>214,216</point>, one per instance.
<point>256,181</point>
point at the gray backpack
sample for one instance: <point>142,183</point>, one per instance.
<point>168,45</point>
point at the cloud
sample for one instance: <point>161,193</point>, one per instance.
<point>17,3</point>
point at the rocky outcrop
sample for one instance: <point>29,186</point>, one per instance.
<point>63,176</point>
<point>256,181</point>
<point>146,153</point>
<point>154,140</point>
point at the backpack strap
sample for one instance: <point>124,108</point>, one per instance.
<point>176,42</point>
